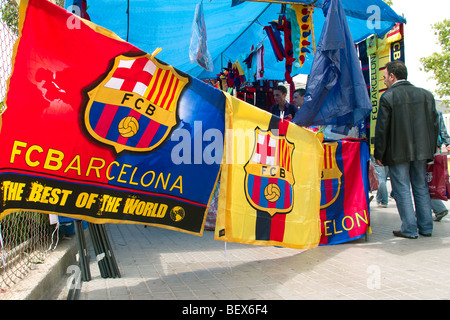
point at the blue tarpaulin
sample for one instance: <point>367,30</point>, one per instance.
<point>336,93</point>
<point>232,31</point>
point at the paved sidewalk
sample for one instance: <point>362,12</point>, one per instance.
<point>162,264</point>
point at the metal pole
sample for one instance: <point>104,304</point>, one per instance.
<point>128,19</point>
<point>82,252</point>
<point>100,240</point>
<point>98,250</point>
<point>111,259</point>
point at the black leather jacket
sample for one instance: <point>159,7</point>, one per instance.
<point>407,125</point>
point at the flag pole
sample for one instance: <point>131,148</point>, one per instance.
<point>82,251</point>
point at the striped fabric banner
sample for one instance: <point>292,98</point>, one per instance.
<point>105,119</point>
<point>345,191</point>
<point>274,198</point>
<point>97,120</point>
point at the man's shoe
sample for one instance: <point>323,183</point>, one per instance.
<point>398,233</point>
<point>381,205</point>
<point>425,234</point>
<point>440,215</point>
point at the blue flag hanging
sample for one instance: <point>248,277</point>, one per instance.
<point>336,93</point>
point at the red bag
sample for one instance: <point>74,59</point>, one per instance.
<point>438,178</point>
<point>373,179</point>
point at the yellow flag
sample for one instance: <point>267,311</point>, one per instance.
<point>270,181</point>
<point>378,49</point>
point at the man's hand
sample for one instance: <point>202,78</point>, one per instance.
<point>378,162</point>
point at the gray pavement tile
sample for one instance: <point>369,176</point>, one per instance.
<point>159,264</point>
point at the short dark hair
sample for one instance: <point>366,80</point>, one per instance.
<point>281,88</point>
<point>300,91</point>
<point>397,68</point>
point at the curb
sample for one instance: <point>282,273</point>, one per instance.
<point>42,282</point>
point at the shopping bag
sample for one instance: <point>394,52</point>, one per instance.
<point>373,179</point>
<point>438,178</point>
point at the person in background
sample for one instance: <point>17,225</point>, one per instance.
<point>382,193</point>
<point>282,108</point>
<point>299,95</point>
<point>438,206</point>
<point>406,137</point>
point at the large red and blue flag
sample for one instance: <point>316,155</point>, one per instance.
<point>344,206</point>
<point>96,129</point>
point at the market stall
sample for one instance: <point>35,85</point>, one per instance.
<point>247,47</point>
<point>236,31</point>
<point>231,30</point>
<point>143,115</point>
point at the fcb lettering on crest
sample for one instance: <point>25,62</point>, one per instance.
<point>135,107</point>
<point>269,179</point>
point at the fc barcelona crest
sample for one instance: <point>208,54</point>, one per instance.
<point>269,179</point>
<point>135,107</point>
<point>331,176</point>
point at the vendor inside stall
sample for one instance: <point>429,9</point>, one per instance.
<point>282,108</point>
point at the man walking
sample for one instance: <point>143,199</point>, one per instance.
<point>405,139</point>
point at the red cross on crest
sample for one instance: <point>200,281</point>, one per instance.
<point>135,106</point>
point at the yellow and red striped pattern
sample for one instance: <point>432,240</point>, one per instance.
<point>284,155</point>
<point>163,88</point>
<point>328,157</point>
<point>298,150</point>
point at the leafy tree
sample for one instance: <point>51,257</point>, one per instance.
<point>10,15</point>
<point>439,62</point>
<point>9,12</point>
